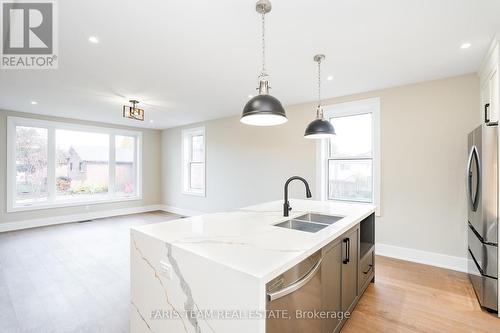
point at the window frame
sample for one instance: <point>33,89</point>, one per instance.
<point>186,142</point>
<point>52,126</point>
<point>352,108</point>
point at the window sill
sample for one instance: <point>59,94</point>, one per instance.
<point>63,204</point>
<point>377,207</point>
<point>193,193</point>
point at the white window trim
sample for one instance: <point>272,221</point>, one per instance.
<point>51,126</point>
<point>371,105</point>
<point>187,134</point>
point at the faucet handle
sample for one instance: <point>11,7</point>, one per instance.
<point>289,208</point>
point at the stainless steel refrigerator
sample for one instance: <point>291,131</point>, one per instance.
<point>482,197</point>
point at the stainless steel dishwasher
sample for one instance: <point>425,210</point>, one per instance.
<point>297,289</point>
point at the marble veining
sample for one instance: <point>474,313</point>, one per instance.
<point>157,278</point>
<point>189,304</point>
<point>141,316</point>
<point>233,243</point>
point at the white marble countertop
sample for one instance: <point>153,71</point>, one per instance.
<point>246,240</point>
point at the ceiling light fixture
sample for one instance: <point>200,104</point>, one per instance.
<point>34,102</point>
<point>465,46</point>
<point>93,39</point>
<point>319,128</point>
<point>263,109</point>
<point>133,112</point>
<point>329,78</point>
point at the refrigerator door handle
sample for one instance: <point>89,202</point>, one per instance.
<point>473,158</point>
<point>486,113</point>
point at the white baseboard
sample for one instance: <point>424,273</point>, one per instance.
<point>181,211</point>
<point>33,223</point>
<point>422,257</point>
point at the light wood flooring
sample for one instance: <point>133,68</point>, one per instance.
<point>68,278</point>
<point>75,278</point>
<point>410,297</point>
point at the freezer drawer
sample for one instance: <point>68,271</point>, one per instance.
<point>486,255</point>
<point>485,287</point>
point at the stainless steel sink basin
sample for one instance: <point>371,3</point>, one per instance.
<point>319,218</point>
<point>310,222</point>
<point>302,225</point>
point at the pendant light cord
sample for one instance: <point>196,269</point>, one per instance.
<point>263,74</point>
<point>319,110</point>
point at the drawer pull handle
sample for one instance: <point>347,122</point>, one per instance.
<point>368,270</point>
<point>347,242</point>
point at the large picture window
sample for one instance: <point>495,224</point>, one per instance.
<point>349,162</point>
<point>53,164</point>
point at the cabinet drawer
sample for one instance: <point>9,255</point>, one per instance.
<point>366,267</point>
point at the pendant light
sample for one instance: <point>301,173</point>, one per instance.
<point>319,128</point>
<point>263,109</point>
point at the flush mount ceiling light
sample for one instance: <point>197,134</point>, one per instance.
<point>319,128</point>
<point>34,102</point>
<point>263,109</point>
<point>132,111</point>
<point>93,39</point>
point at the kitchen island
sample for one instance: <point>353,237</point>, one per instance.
<point>209,273</point>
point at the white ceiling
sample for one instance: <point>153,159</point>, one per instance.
<point>197,60</point>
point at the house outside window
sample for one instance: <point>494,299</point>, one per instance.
<point>61,164</point>
<point>349,163</point>
<point>193,161</point>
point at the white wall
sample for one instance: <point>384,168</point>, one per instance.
<point>245,165</point>
<point>150,180</point>
<point>424,129</point>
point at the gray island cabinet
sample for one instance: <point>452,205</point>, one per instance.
<point>324,288</point>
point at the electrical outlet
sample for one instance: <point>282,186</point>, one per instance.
<point>166,269</point>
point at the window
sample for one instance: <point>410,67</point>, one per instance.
<point>88,152</point>
<point>59,164</point>
<point>125,175</point>
<point>31,162</point>
<point>349,162</point>
<point>193,161</point>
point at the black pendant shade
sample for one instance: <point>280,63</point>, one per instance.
<point>318,129</point>
<point>263,110</point>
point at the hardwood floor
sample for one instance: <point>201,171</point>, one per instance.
<point>75,278</point>
<point>68,278</point>
<point>410,297</point>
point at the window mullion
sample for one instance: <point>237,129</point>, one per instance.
<point>190,163</point>
<point>137,183</point>
<point>12,166</point>
<point>112,166</point>
<point>51,164</point>
<point>351,159</point>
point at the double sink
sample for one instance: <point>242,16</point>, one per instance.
<point>310,222</point>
